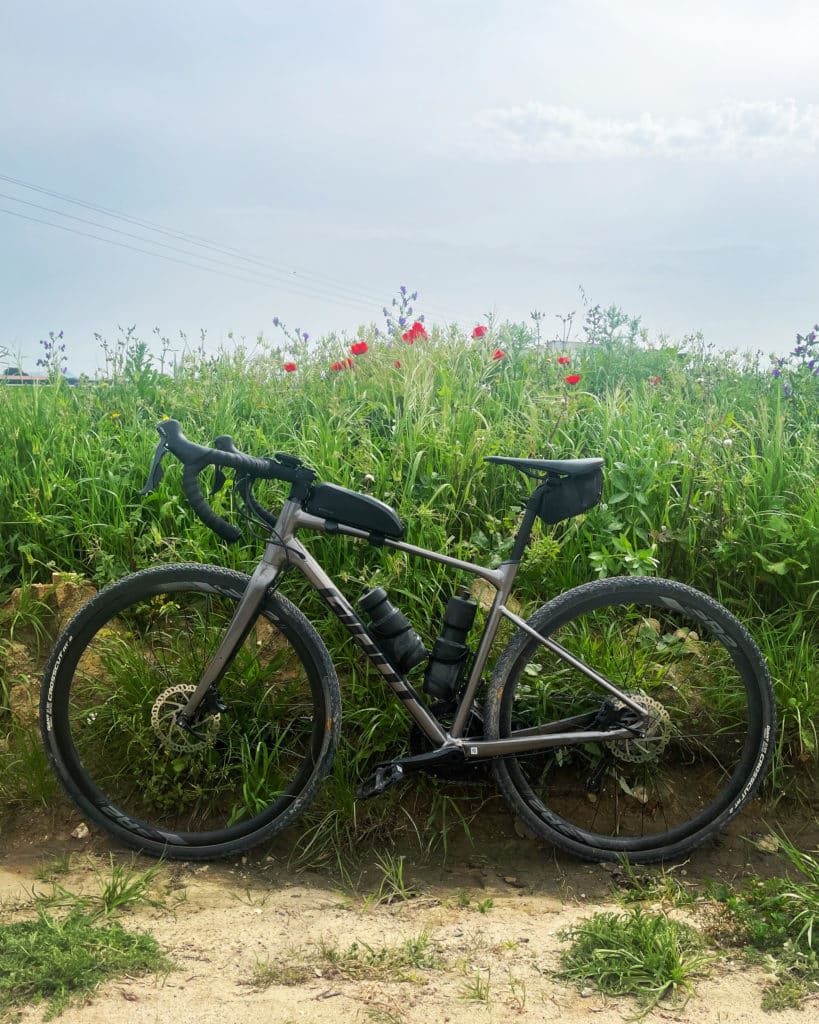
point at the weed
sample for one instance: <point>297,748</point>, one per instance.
<point>267,974</point>
<point>646,955</point>
<point>125,888</point>
<point>397,963</point>
<point>483,906</point>
<point>777,919</point>
<point>517,988</point>
<point>60,961</point>
<point>52,869</point>
<point>393,887</point>
<point>477,989</point>
<point>659,887</point>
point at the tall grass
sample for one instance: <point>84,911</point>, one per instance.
<point>710,479</point>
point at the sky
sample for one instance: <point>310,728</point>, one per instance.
<point>306,159</point>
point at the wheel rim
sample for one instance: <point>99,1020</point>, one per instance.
<point>694,679</point>
<point>244,766</point>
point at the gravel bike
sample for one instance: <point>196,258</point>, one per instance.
<point>192,711</point>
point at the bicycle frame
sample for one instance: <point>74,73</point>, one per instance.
<point>287,550</point>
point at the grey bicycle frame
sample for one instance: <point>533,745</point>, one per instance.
<point>287,550</point>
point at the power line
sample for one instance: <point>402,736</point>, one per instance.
<point>147,252</point>
<point>327,283</point>
<point>259,279</point>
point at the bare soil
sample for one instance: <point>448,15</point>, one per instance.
<point>492,908</point>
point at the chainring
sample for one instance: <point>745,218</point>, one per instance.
<point>164,712</point>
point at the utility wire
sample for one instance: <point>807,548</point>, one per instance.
<point>328,283</point>
<point>148,252</point>
<point>259,277</point>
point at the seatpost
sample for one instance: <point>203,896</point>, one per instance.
<point>523,534</point>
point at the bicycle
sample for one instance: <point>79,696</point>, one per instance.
<point>192,711</point>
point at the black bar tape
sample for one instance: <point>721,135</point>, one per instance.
<point>190,485</point>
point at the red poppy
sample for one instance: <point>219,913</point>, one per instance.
<point>419,331</point>
<point>654,380</point>
<point>359,348</point>
<point>348,362</point>
<point>498,354</point>
<point>407,336</point>
<point>479,331</point>
<point>573,378</point>
<point>398,364</point>
<point>337,366</point>
<point>564,360</point>
<point>289,367</point>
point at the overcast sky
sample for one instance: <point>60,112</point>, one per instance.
<point>493,155</point>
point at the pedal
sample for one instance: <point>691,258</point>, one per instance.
<point>386,775</point>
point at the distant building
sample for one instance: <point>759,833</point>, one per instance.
<point>31,378</point>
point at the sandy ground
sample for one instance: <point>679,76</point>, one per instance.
<point>491,911</point>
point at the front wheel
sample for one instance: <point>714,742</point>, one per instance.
<point>693,670</point>
<point>126,665</point>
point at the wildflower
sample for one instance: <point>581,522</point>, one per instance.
<point>289,367</point>
<point>498,354</point>
<point>115,415</point>
<point>398,364</point>
<point>479,331</point>
<point>654,380</point>
<point>563,360</point>
<point>573,378</point>
<point>337,366</point>
<point>276,321</point>
<point>359,348</point>
<point>408,337</point>
<point>306,336</point>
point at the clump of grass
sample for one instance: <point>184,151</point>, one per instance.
<point>125,888</point>
<point>649,956</point>
<point>644,886</point>
<point>393,887</point>
<point>61,961</point>
<point>477,989</point>
<point>778,919</point>
<point>395,963</point>
<point>267,974</point>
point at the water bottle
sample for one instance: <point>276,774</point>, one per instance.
<point>392,631</point>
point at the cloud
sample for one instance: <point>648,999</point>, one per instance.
<point>537,133</point>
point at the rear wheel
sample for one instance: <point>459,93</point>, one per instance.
<point>693,670</point>
<point>127,664</point>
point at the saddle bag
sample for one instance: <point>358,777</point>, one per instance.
<point>562,497</point>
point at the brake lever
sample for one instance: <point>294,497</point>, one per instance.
<point>219,479</point>
<point>156,471</point>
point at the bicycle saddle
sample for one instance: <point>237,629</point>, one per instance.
<point>564,467</point>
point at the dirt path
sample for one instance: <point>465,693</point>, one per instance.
<point>486,918</point>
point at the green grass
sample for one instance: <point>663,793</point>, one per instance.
<point>649,956</point>
<point>776,921</point>
<point>710,479</point>
<point>62,960</point>
<point>73,944</point>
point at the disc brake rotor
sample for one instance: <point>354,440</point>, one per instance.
<point>163,721</point>
<point>653,742</point>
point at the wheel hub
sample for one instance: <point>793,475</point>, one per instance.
<point>656,731</point>
<point>163,721</point>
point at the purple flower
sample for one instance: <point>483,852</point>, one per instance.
<point>403,289</point>
<point>276,321</point>
<point>306,336</point>
<point>776,372</point>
